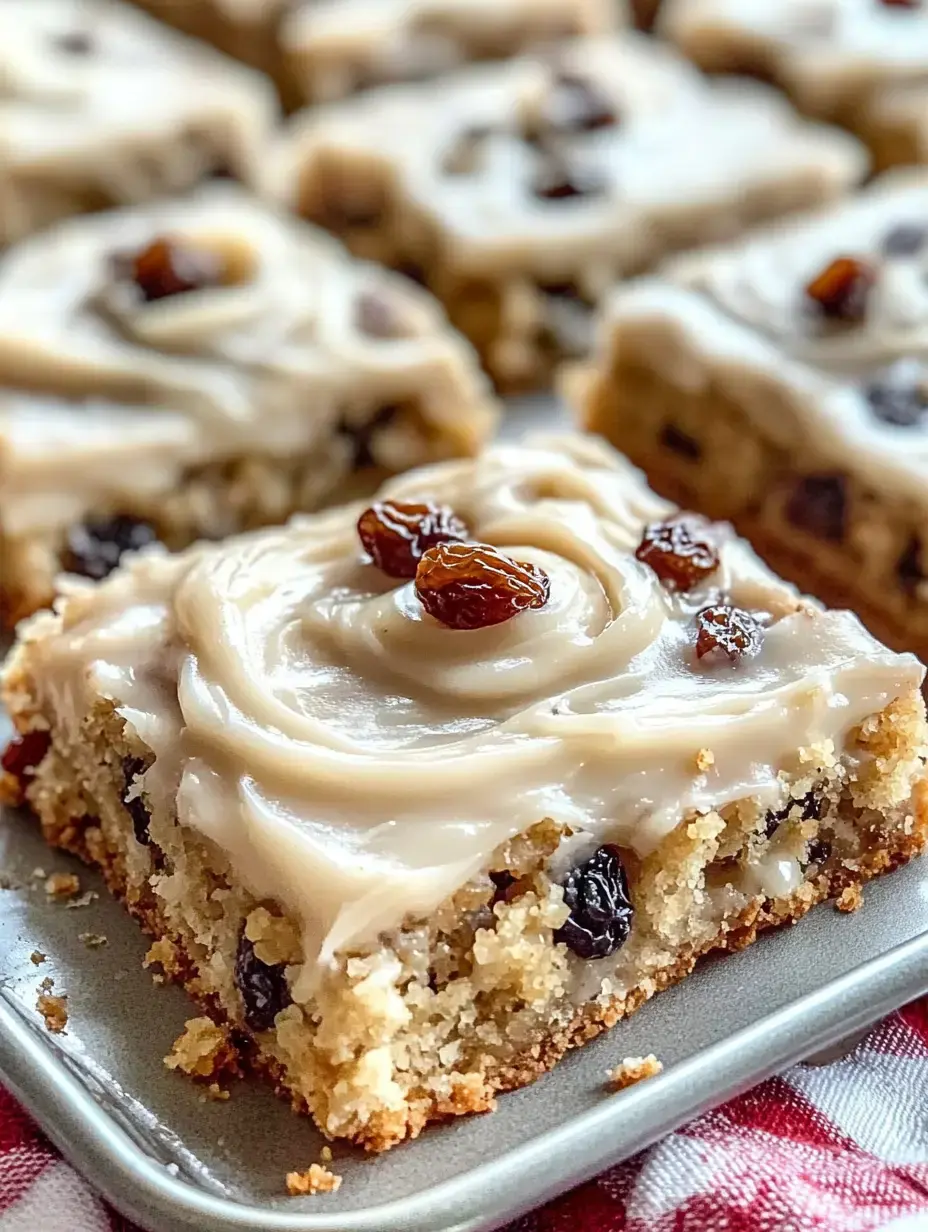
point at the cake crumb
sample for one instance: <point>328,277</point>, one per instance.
<point>316,1179</point>
<point>204,1050</point>
<point>93,941</point>
<point>164,954</point>
<point>215,1092</point>
<point>39,874</point>
<point>632,1070</point>
<point>62,885</point>
<point>47,984</point>
<point>37,958</point>
<point>54,1010</point>
<point>705,758</point>
<point>850,898</point>
<point>326,1154</point>
<point>84,901</point>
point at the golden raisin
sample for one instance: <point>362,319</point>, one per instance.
<point>842,288</point>
<point>678,554</point>
<point>168,267</point>
<point>724,630</point>
<point>473,585</point>
<point>396,533</point>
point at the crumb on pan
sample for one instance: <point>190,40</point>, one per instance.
<point>634,1069</point>
<point>850,898</point>
<point>37,958</point>
<point>62,885</point>
<point>84,901</point>
<point>47,984</point>
<point>54,1010</point>
<point>215,1092</point>
<point>705,759</point>
<point>203,1050</point>
<point>93,941</point>
<point>316,1179</point>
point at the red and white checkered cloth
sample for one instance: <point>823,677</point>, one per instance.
<point>837,1148</point>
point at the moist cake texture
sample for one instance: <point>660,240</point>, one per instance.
<point>193,368</point>
<point>521,192</point>
<point>102,106</point>
<point>420,795</point>
<point>323,49</point>
<point>863,63</point>
<point>781,383</point>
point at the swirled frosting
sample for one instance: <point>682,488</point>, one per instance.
<point>359,761</point>
<point>117,395</point>
<point>101,105</point>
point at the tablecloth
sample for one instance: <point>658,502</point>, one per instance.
<point>841,1147</point>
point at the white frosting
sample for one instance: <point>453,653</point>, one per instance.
<point>359,761</point>
<point>125,395</point>
<point>141,112</point>
<point>684,154</point>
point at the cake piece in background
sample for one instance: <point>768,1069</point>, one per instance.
<point>325,49</point>
<point>782,383</point>
<point>422,794</point>
<point>862,63</point>
<point>197,367</point>
<point>521,192</point>
<point>102,106</point>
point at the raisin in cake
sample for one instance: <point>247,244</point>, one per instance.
<point>863,63</point>
<point>782,383</point>
<point>425,793</point>
<point>101,106</point>
<point>522,191</point>
<point>193,368</point>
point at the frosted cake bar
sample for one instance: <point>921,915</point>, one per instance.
<point>194,368</point>
<point>425,793</point>
<point>521,192</point>
<point>101,106</point>
<point>782,383</point>
<point>863,63</point>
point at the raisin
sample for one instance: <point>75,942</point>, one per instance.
<point>578,105</point>
<point>74,43</point>
<point>901,4</point>
<point>841,289</point>
<point>909,566</point>
<point>473,585</point>
<point>677,553</point>
<point>727,631</point>
<point>818,505</point>
<point>677,441</point>
<point>167,267</point>
<point>556,181</point>
<point>503,883</point>
<point>600,908</point>
<point>819,851</point>
<point>94,548</point>
<point>898,395</point>
<point>377,317</point>
<point>132,767</point>
<point>905,239</point>
<point>810,807</point>
<point>396,534</point>
<point>23,754</point>
<point>263,987</point>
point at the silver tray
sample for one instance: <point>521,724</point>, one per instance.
<point>143,1137</point>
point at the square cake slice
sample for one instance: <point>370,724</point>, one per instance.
<point>102,106</point>
<point>520,192</point>
<point>836,58</point>
<point>782,383</point>
<point>422,794</point>
<point>193,368</point>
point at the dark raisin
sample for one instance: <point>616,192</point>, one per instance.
<point>600,908</point>
<point>94,547</point>
<point>899,394</point>
<point>74,43</point>
<point>502,883</point>
<point>840,292</point>
<point>556,181</point>
<point>360,436</point>
<point>818,505</point>
<point>169,267</point>
<point>678,441</point>
<point>901,4</point>
<point>819,851</point>
<point>473,585</point>
<point>909,566</point>
<point>577,105</point>
<point>728,632</point>
<point>905,239</point>
<point>263,987</point>
<point>132,767</point>
<point>377,316</point>
<point>810,807</point>
<point>23,754</point>
<point>679,555</point>
<point>396,535</point>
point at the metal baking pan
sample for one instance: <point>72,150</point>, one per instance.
<point>143,1137</point>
